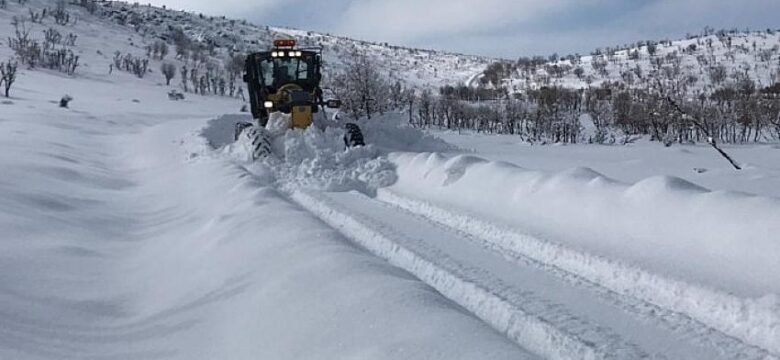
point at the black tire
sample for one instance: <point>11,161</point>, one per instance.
<point>260,142</point>
<point>255,140</point>
<point>353,136</point>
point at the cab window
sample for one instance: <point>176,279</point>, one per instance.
<point>280,71</point>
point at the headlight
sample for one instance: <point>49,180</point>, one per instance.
<point>298,54</point>
<point>269,104</point>
<point>292,54</point>
<point>274,54</point>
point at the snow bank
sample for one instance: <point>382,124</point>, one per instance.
<point>712,255</point>
<point>390,132</point>
<point>316,158</point>
<point>637,161</point>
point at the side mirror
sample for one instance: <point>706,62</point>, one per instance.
<point>333,104</point>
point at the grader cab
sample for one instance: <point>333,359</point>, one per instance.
<point>286,80</point>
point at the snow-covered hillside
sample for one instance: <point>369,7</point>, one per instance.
<point>708,61</point>
<point>416,67</point>
<point>722,86</point>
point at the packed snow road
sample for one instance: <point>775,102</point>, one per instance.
<point>552,312</point>
<point>556,300</point>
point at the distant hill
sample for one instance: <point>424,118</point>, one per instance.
<point>417,67</point>
<point>704,62</point>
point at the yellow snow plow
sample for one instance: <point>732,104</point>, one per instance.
<point>286,80</point>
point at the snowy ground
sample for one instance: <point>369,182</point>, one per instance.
<point>658,268</point>
<point>133,228</point>
<point>126,236</point>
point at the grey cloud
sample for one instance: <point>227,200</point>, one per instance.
<point>507,28</point>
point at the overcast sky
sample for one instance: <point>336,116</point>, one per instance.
<point>501,28</point>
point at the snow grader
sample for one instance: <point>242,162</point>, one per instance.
<point>284,83</point>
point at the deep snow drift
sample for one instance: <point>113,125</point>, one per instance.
<point>711,255</point>
<point>316,158</point>
<point>699,164</point>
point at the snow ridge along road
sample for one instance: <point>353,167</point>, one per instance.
<point>541,307</point>
<point>504,311</point>
<point>573,267</point>
<point>708,255</point>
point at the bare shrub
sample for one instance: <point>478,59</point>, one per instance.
<point>169,71</point>
<point>8,72</point>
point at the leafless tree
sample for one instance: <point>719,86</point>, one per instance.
<point>132,64</point>
<point>652,48</point>
<point>599,65</point>
<point>234,64</point>
<point>60,13</point>
<point>8,75</point>
<point>158,50</point>
<point>718,74</point>
<point>184,81</point>
<point>169,71</point>
<point>27,50</point>
<point>361,87</point>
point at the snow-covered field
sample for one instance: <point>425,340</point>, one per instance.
<point>133,228</point>
<point>125,236</point>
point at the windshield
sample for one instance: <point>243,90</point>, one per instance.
<point>280,71</point>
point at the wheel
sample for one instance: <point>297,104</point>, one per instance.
<point>353,136</point>
<point>261,142</point>
<point>255,140</point>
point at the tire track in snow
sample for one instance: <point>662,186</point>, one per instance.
<point>530,320</point>
<point>508,243</point>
